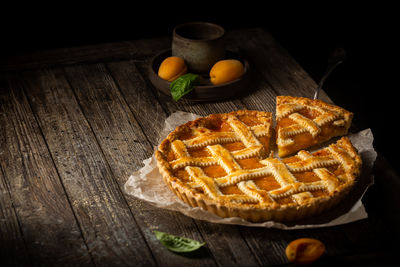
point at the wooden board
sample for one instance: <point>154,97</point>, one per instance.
<point>76,123</point>
<point>43,210</point>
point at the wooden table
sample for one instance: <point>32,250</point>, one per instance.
<point>76,122</point>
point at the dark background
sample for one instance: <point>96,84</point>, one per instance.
<point>361,84</point>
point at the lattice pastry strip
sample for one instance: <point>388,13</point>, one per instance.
<point>303,122</point>
<point>331,182</point>
<point>211,188</point>
<point>184,158</point>
<point>250,189</point>
<point>242,133</point>
<point>220,163</point>
<point>283,174</point>
<point>204,138</point>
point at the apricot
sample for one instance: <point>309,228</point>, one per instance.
<point>172,68</point>
<point>304,250</point>
<point>225,71</point>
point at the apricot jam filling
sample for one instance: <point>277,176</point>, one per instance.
<point>306,177</point>
<point>223,127</point>
<point>264,140</point>
<point>182,175</point>
<point>284,200</point>
<point>198,152</point>
<point>231,190</point>
<point>185,135</point>
<point>214,171</point>
<point>234,146</point>
<point>251,163</point>
<point>267,183</point>
<point>171,155</point>
<point>249,120</point>
<point>319,193</point>
<point>309,113</point>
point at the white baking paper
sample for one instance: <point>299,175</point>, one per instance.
<point>148,185</point>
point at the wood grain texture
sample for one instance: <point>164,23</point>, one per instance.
<point>139,97</point>
<point>125,147</point>
<point>12,247</point>
<point>262,97</point>
<point>225,242</point>
<point>107,223</point>
<point>71,134</point>
<point>38,196</point>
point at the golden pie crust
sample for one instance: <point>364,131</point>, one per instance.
<point>302,123</point>
<point>222,163</point>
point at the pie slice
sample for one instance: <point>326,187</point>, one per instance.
<point>220,163</point>
<point>302,123</point>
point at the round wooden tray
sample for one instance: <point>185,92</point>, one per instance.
<point>206,91</point>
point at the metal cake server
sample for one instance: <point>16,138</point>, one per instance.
<point>335,58</point>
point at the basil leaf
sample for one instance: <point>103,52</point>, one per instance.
<point>177,243</point>
<point>183,85</point>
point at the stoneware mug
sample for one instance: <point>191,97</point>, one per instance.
<point>200,44</point>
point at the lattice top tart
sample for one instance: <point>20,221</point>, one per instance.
<point>222,164</point>
<point>304,122</point>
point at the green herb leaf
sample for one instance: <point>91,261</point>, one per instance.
<point>183,85</point>
<point>177,243</point>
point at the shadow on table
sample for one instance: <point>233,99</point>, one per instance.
<point>202,252</point>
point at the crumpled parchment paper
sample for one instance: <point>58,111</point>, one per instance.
<point>148,185</point>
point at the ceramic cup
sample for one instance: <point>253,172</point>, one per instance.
<point>200,44</point>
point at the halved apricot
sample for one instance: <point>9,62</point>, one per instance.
<point>304,250</point>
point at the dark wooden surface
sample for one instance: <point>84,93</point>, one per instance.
<point>76,122</point>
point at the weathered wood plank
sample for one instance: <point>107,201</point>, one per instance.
<point>225,242</point>
<point>268,245</point>
<point>275,73</point>
<point>227,245</point>
<point>139,97</point>
<point>136,49</point>
<point>125,147</point>
<point>107,223</point>
<point>12,247</point>
<point>40,202</point>
<point>262,95</point>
